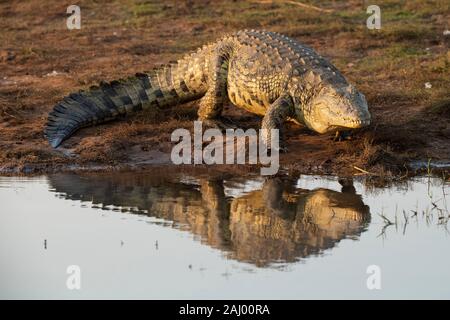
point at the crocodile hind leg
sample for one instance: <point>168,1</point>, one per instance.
<point>218,206</point>
<point>211,104</point>
<point>278,112</point>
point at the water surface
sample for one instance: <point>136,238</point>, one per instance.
<point>141,235</point>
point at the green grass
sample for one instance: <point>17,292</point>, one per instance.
<point>147,8</point>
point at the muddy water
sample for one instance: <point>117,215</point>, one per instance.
<point>146,236</point>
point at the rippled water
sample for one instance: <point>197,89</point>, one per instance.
<point>137,235</point>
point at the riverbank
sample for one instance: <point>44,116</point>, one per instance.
<point>402,69</point>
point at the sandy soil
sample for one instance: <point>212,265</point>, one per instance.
<point>41,61</point>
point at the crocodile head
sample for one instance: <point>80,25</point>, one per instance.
<point>335,109</point>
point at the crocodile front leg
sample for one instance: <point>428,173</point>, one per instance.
<point>211,104</point>
<point>275,116</point>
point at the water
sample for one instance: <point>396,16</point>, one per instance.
<point>137,235</point>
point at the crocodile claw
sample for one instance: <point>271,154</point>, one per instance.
<point>221,123</point>
<point>342,135</point>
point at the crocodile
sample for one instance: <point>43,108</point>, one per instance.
<point>271,221</point>
<point>263,72</point>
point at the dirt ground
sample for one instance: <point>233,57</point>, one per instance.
<point>403,69</point>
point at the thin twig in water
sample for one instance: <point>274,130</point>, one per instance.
<point>405,216</point>
<point>387,223</point>
<point>364,171</point>
<point>386,220</point>
<point>383,232</point>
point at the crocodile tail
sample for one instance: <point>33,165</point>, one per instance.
<point>165,86</point>
<point>99,104</point>
<point>109,101</point>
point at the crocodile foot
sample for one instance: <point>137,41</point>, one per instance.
<point>342,135</point>
<point>220,123</point>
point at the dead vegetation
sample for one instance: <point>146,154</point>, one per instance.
<point>41,61</point>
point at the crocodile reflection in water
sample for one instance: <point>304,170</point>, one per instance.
<point>279,223</point>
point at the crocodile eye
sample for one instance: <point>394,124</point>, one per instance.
<point>362,98</point>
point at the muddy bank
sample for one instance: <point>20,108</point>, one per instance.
<point>135,144</point>
<point>41,62</point>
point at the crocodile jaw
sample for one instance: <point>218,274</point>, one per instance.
<point>323,121</point>
<point>353,123</point>
<point>329,113</point>
<point>333,126</point>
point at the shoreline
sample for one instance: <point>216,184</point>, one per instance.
<point>414,169</point>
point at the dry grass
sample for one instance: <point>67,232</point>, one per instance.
<point>390,66</point>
